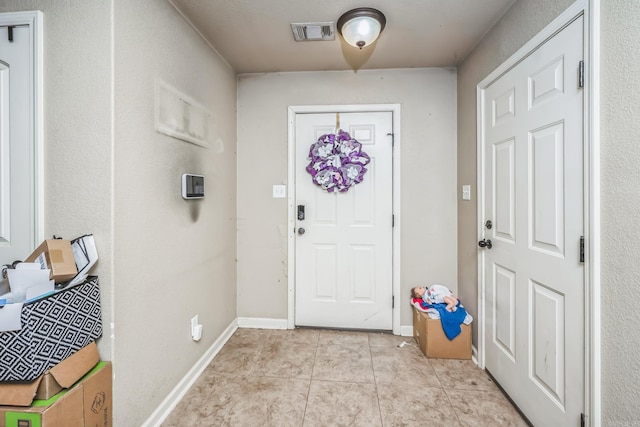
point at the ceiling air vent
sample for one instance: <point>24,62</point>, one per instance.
<point>313,31</point>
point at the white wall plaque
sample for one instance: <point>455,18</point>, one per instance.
<point>180,117</point>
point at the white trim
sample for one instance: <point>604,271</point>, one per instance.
<point>262,323</point>
<point>178,392</point>
<point>34,19</point>
<point>591,11</point>
<point>479,216</point>
<point>305,109</point>
<point>406,330</point>
<point>592,133</point>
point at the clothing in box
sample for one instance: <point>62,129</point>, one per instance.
<point>53,329</point>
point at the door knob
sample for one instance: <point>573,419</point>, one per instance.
<point>301,231</point>
<point>485,243</point>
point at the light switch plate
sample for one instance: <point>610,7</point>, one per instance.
<point>466,192</point>
<point>279,191</point>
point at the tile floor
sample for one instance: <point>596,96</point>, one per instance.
<point>309,377</point>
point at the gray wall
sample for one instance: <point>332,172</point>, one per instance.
<point>162,259</point>
<point>428,155</point>
<point>620,180</point>
<point>620,198</point>
<point>173,258</point>
<point>77,118</point>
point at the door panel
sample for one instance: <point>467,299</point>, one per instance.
<point>534,281</point>
<point>343,274</point>
<point>18,190</point>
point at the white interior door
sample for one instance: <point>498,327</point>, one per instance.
<point>343,261</point>
<point>18,202</point>
<point>532,135</point>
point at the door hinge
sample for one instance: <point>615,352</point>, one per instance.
<point>581,248</point>
<point>581,74</point>
<point>583,420</point>
<point>393,221</point>
<point>393,139</point>
<point>393,301</point>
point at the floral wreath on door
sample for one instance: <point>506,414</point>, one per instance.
<point>337,162</point>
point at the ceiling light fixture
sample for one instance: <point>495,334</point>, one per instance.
<point>360,27</point>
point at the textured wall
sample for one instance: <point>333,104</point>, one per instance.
<point>428,155</point>
<point>173,258</point>
<point>162,259</point>
<point>620,158</point>
<point>77,122</point>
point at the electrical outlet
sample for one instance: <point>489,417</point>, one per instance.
<point>194,323</point>
<point>196,329</point>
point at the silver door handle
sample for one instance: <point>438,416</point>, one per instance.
<point>301,231</point>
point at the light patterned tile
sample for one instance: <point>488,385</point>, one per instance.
<point>414,405</point>
<point>342,404</point>
<point>302,335</point>
<point>378,339</point>
<point>262,378</point>
<point>402,366</point>
<point>461,374</point>
<point>248,401</point>
<point>484,408</point>
<point>239,355</point>
<point>328,337</point>
<point>286,358</point>
<point>343,363</point>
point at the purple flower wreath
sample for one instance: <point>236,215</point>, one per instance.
<point>337,162</point>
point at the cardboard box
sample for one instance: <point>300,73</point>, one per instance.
<point>61,376</point>
<point>87,403</point>
<point>53,328</point>
<point>56,255</point>
<point>434,343</point>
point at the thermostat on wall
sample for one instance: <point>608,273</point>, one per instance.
<point>192,186</point>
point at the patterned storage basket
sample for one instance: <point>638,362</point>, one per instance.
<point>53,329</point>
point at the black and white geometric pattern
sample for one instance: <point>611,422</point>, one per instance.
<point>53,329</point>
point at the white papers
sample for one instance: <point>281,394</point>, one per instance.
<point>10,317</point>
<point>28,283</point>
<point>85,255</point>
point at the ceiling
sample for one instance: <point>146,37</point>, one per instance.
<point>255,36</point>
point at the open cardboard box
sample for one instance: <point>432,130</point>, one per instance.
<point>56,255</point>
<point>87,403</point>
<point>434,343</point>
<point>61,376</point>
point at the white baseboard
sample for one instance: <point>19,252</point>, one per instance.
<point>261,323</point>
<point>406,330</point>
<point>178,392</point>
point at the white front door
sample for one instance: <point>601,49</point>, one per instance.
<point>343,258</point>
<point>18,202</point>
<point>534,298</point>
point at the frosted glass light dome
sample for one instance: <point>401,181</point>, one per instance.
<point>361,27</point>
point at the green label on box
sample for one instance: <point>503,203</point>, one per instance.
<point>22,419</point>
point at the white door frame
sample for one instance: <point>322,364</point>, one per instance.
<point>34,20</point>
<point>590,9</point>
<point>291,214</point>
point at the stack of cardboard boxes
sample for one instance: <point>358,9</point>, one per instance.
<point>50,369</point>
